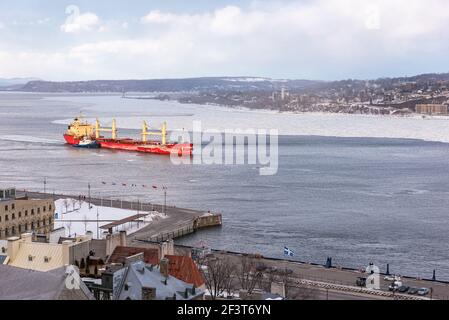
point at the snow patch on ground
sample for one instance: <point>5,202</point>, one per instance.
<point>77,218</point>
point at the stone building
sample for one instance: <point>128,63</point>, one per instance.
<point>22,215</point>
<point>24,253</point>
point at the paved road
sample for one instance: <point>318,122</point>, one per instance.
<point>338,295</point>
<point>346,277</point>
<point>343,277</point>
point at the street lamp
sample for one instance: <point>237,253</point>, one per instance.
<point>165,200</point>
<point>98,229</point>
<point>88,187</point>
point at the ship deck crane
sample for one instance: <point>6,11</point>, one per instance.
<point>99,129</point>
<point>146,132</point>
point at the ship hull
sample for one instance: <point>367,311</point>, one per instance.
<point>147,147</point>
<point>72,140</point>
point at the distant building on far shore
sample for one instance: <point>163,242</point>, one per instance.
<point>432,109</point>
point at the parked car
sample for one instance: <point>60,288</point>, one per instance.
<point>403,289</point>
<point>389,278</point>
<point>413,291</point>
<point>395,286</point>
<point>423,291</point>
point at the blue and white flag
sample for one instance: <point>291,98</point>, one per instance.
<point>288,252</point>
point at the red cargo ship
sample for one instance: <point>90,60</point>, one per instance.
<point>78,130</point>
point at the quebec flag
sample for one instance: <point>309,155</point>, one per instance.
<point>288,252</point>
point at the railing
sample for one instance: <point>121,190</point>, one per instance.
<point>180,232</point>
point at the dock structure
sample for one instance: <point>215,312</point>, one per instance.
<point>167,229</point>
<point>176,223</point>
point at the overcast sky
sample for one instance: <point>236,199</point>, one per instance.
<point>302,39</point>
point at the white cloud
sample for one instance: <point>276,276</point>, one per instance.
<point>77,22</point>
<point>313,39</point>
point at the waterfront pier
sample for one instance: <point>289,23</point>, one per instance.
<point>175,223</point>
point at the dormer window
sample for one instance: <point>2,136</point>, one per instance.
<point>47,259</point>
<point>30,258</point>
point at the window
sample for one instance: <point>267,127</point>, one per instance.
<point>20,214</point>
<point>6,232</point>
<point>13,230</point>
<point>6,208</point>
<point>49,207</point>
<point>32,225</point>
<point>38,224</point>
<point>38,210</point>
<point>20,228</point>
<point>30,258</point>
<point>26,213</point>
<point>47,259</point>
<point>13,206</point>
<point>13,216</point>
<point>0,218</point>
<point>45,209</point>
<point>6,218</point>
<point>32,212</point>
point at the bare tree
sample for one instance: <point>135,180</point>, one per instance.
<point>86,222</point>
<point>293,290</point>
<point>248,273</point>
<point>74,204</point>
<point>217,273</point>
<point>69,226</point>
<point>66,205</point>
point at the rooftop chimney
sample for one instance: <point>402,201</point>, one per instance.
<point>66,252</point>
<point>13,247</point>
<point>123,238</point>
<point>164,267</point>
<point>148,293</point>
<point>27,237</point>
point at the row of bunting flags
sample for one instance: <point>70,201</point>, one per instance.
<point>132,185</point>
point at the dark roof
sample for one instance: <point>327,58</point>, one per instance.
<point>24,284</point>
<point>151,256</point>
<point>185,269</point>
